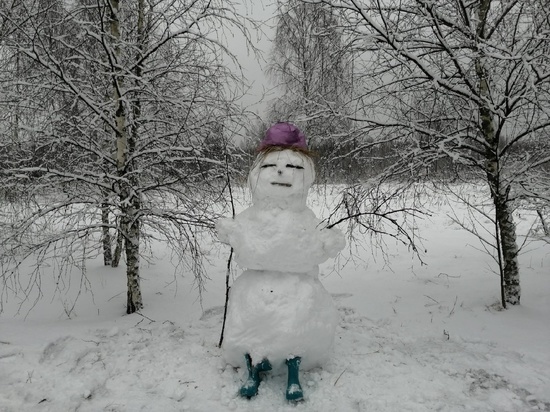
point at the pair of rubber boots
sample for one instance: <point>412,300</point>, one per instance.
<point>294,391</point>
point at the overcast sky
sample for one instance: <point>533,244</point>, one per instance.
<point>254,69</point>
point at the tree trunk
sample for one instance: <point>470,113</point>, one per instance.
<point>505,228</point>
<point>118,248</point>
<point>130,225</point>
<point>107,242</point>
<point>508,243</point>
<point>131,213</point>
<point>129,198</point>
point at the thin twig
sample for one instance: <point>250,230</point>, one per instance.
<point>228,272</point>
<point>145,317</point>
<point>339,376</point>
<point>429,297</point>
<point>227,288</point>
<point>454,306</point>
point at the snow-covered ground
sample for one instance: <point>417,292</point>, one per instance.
<point>412,337</point>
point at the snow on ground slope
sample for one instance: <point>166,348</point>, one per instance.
<point>412,337</point>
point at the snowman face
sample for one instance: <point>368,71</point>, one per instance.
<point>281,174</point>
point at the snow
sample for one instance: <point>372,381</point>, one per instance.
<point>279,316</point>
<point>283,240</point>
<point>411,337</point>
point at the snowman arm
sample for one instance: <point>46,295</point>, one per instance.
<point>333,241</point>
<point>224,227</point>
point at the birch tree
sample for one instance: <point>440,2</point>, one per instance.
<point>486,63</point>
<point>134,90</point>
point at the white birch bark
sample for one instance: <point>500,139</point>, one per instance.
<point>129,198</point>
<point>505,228</point>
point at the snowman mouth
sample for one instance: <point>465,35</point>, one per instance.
<point>281,184</point>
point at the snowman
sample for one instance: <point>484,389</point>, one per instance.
<point>279,313</point>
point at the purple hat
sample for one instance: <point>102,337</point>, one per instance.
<point>285,135</point>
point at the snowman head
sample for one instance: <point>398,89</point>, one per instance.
<point>283,171</point>
<point>281,177</point>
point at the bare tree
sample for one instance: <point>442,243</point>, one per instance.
<point>468,81</point>
<point>310,61</point>
<point>134,91</point>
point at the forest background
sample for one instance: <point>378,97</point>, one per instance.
<point>122,123</point>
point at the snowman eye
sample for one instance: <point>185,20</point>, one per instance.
<point>267,165</point>
<point>291,166</point>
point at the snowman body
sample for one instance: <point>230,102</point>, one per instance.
<point>278,308</point>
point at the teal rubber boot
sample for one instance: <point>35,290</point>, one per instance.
<point>294,389</point>
<point>250,387</point>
